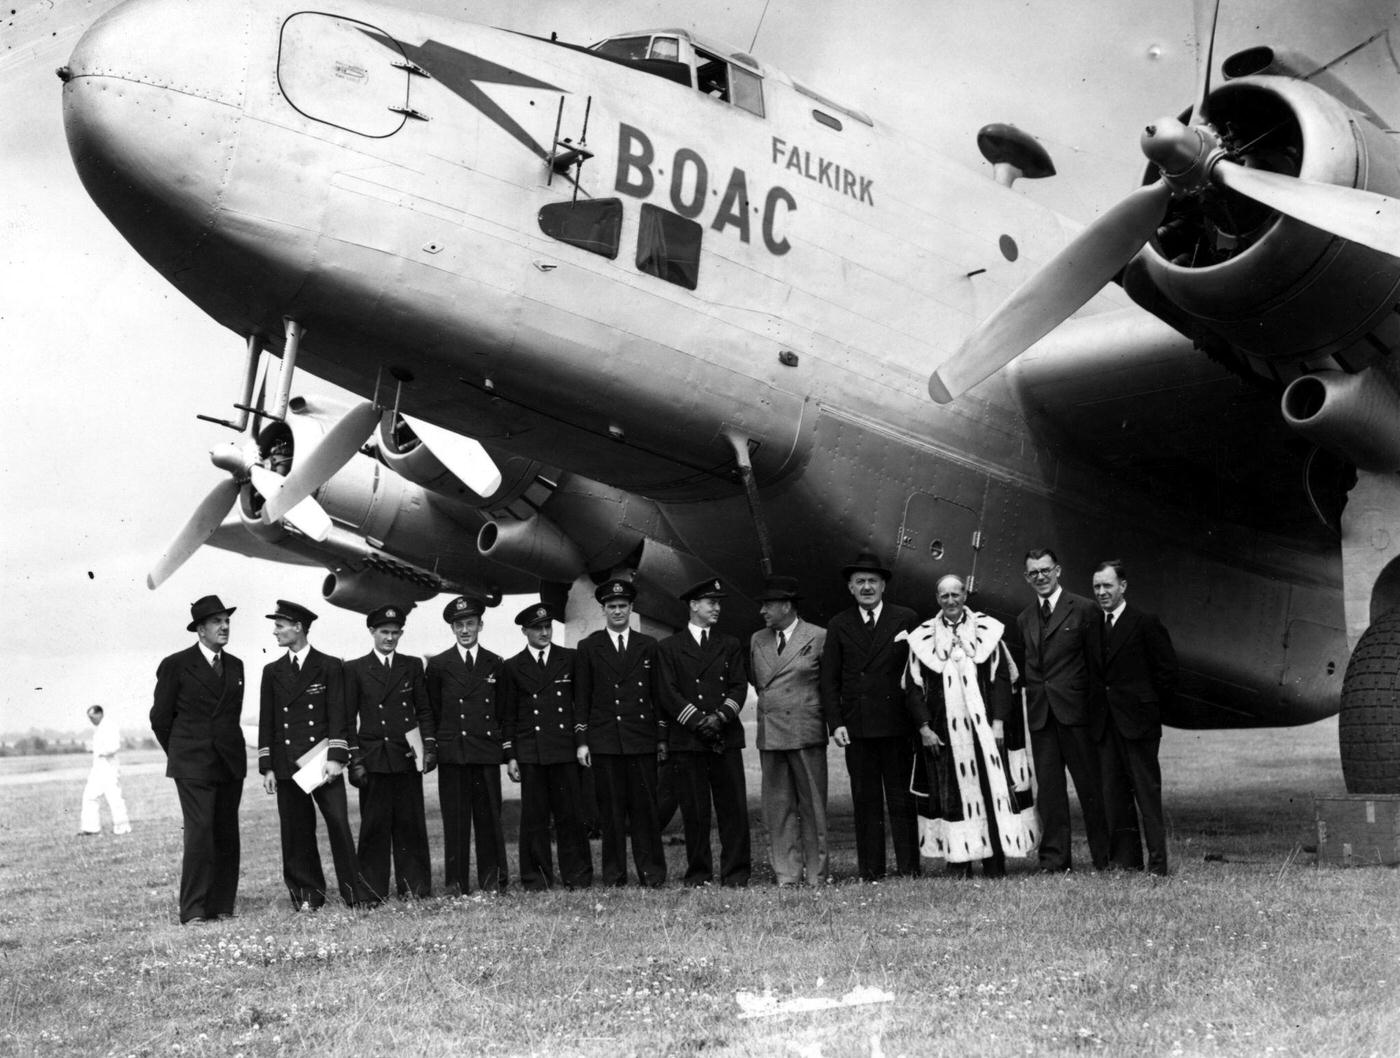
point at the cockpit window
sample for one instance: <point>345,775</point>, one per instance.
<point>711,75</point>
<point>747,90</point>
<point>629,49</point>
<point>667,48</point>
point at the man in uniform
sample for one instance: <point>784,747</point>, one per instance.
<point>625,737</point>
<point>1064,725</point>
<point>863,699</point>
<point>463,688</point>
<point>198,701</point>
<point>785,668</point>
<point>387,701</point>
<point>546,733</point>
<point>1133,671</point>
<point>303,706</point>
<point>702,688</point>
<point>104,779</point>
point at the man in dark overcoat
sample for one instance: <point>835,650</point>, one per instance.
<point>303,717</point>
<point>195,717</point>
<point>862,697</point>
<point>625,737</point>
<point>545,732</point>
<point>702,688</point>
<point>392,724</point>
<point>464,686</point>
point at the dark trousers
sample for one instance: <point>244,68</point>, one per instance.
<point>301,859</point>
<point>393,823</point>
<point>880,770</point>
<point>551,791</point>
<point>1057,747</point>
<point>209,872</point>
<point>627,806</point>
<point>666,802</point>
<point>471,797</point>
<point>1132,788</point>
<point>701,777</point>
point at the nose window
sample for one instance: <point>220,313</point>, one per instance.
<point>342,72</point>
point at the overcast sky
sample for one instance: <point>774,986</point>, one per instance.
<point>103,457</point>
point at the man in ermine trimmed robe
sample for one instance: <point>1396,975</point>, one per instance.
<point>974,795</point>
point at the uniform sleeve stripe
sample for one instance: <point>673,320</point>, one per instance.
<point>339,743</point>
<point>686,713</point>
<point>263,751</point>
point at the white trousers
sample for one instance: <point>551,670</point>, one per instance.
<point>102,782</point>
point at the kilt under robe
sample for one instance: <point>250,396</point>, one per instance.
<point>965,674</point>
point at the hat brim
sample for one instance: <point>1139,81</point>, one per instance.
<point>849,571</point>
<point>200,620</point>
<point>778,597</point>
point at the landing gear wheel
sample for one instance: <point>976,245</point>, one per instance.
<point>1369,730</point>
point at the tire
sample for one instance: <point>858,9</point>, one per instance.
<point>1369,727</point>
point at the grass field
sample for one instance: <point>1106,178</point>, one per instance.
<point>1247,949</point>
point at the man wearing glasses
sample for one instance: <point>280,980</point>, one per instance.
<point>1064,728</point>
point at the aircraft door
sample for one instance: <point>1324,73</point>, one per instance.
<point>345,73</point>
<point>938,536</point>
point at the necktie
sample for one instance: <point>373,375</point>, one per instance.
<point>219,665</point>
<point>870,619</point>
<point>1107,631</point>
<point>1045,611</point>
<point>541,659</point>
<point>621,644</point>
<point>296,665</point>
<point>782,640</point>
<point>467,657</point>
<point>704,639</point>
<point>388,661</point>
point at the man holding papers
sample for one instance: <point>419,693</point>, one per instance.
<point>388,702</point>
<point>303,745</point>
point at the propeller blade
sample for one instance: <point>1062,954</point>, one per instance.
<point>1053,294</point>
<point>1205,35</point>
<point>313,469</point>
<point>307,517</point>
<point>463,456</point>
<point>1353,214</point>
<point>207,517</point>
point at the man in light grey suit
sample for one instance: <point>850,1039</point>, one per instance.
<point>785,663</point>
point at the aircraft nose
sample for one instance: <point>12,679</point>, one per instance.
<point>152,96</point>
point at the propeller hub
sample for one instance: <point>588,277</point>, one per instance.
<point>1185,154</point>
<point>231,457</point>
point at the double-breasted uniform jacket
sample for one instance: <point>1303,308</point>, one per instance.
<point>861,672</point>
<point>195,717</point>
<point>789,687</point>
<point>1135,677</point>
<point>1057,663</point>
<point>695,682</point>
<point>542,724</point>
<point>299,709</point>
<point>467,707</point>
<point>616,694</point>
<point>384,704</point>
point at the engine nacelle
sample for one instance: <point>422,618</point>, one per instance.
<point>535,545</point>
<point>1287,297</point>
<point>368,590</point>
<point>1356,416</point>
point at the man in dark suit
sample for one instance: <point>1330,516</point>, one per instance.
<point>863,702</point>
<point>785,659</point>
<point>392,723</point>
<point>625,738</point>
<point>546,735</point>
<point>303,713</point>
<point>463,690</point>
<point>1064,724</point>
<point>198,700</point>
<point>702,688</point>
<point>1133,671</point>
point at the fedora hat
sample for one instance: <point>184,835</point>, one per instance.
<point>779,589</point>
<point>203,609</point>
<point>865,562</point>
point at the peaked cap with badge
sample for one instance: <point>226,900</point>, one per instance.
<point>387,615</point>
<point>291,611</point>
<point>706,589</point>
<point>463,606</point>
<point>615,589</point>
<point>535,614</point>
